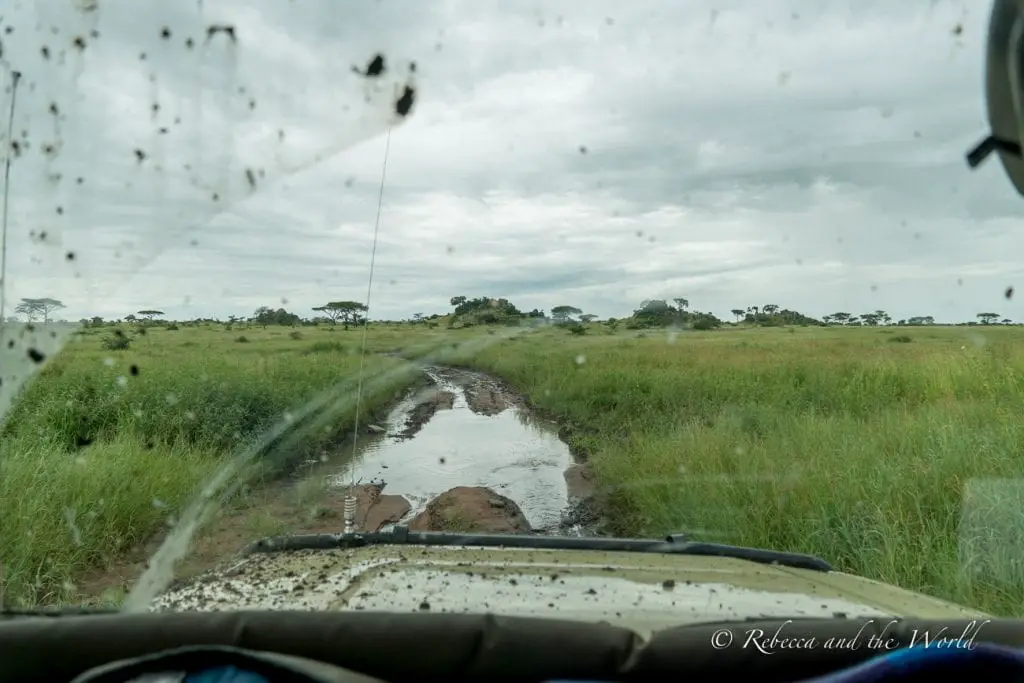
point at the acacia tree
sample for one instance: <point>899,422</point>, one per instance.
<point>840,318</point>
<point>33,308</point>
<point>149,314</point>
<point>563,313</point>
<point>988,318</point>
<point>869,319</point>
<point>345,311</point>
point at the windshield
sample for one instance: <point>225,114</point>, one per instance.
<point>569,269</point>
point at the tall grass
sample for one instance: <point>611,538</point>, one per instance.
<point>898,461</point>
<point>104,447</point>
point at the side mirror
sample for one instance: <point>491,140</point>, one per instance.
<point>1004,91</point>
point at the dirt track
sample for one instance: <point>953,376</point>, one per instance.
<point>464,454</point>
<point>469,430</point>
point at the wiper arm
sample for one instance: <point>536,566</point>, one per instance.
<point>56,612</point>
<point>675,544</point>
<point>984,149</point>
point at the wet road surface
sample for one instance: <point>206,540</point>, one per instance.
<point>467,430</point>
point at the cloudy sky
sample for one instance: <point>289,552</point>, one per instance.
<point>805,153</point>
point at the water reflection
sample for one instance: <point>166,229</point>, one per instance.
<point>512,452</point>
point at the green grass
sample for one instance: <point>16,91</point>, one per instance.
<point>897,461</point>
<point>833,442</point>
<point>95,459</point>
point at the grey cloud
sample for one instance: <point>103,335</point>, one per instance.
<point>799,152</point>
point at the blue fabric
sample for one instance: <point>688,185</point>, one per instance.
<point>914,662</point>
<point>226,674</point>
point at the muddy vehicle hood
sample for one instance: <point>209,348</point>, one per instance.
<point>641,591</point>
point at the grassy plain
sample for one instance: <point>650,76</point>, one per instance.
<point>897,461</point>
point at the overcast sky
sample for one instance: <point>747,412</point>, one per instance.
<point>804,153</point>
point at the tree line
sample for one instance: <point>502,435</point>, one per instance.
<point>484,310</point>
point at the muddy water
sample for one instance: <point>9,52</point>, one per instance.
<point>467,430</point>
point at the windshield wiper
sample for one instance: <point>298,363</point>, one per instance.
<point>675,544</point>
<point>57,612</point>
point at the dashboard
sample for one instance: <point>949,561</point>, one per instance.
<point>365,647</point>
<point>232,665</point>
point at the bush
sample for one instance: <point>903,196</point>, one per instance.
<point>117,341</point>
<point>703,324</point>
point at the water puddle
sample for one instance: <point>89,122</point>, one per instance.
<point>467,430</point>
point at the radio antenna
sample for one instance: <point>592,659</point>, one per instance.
<point>351,500</point>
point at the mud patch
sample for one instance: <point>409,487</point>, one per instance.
<point>375,509</point>
<point>579,481</point>
<point>484,395</point>
<point>485,401</point>
<point>487,396</point>
<point>286,507</point>
<point>472,509</point>
<point>426,402</point>
<point>584,517</point>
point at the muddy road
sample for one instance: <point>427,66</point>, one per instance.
<point>467,431</point>
<point>460,452</point>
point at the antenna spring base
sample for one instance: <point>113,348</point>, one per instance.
<point>351,505</point>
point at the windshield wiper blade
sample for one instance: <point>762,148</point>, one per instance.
<point>56,612</point>
<point>676,544</point>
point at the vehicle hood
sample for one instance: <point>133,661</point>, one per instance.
<point>644,592</point>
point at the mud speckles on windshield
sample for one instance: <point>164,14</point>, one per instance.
<point>172,142</point>
<point>374,68</point>
<point>221,29</point>
<point>404,103</point>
